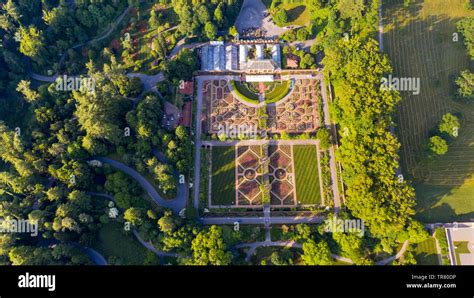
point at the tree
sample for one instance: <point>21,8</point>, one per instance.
<point>211,30</point>
<point>417,232</point>
<point>30,41</point>
<point>29,94</point>
<point>466,27</point>
<point>465,83</point>
<point>203,14</point>
<point>159,46</point>
<point>50,17</point>
<point>182,67</point>
<point>167,223</point>
<point>316,253</point>
<point>438,145</point>
<point>449,125</point>
<point>134,215</point>
<point>351,8</point>
<point>307,61</point>
<point>209,248</point>
<point>154,20</point>
<point>233,31</point>
<point>302,34</point>
<point>373,193</point>
<point>280,17</point>
<point>219,15</point>
<point>10,17</point>
<point>324,138</point>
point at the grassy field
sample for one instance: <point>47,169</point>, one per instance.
<point>460,248</point>
<point>223,175</point>
<point>419,42</point>
<point>298,14</point>
<point>112,242</point>
<point>425,252</point>
<point>307,176</point>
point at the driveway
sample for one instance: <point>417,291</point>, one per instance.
<point>149,82</point>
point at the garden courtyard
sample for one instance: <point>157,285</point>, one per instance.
<point>252,174</point>
<point>290,106</point>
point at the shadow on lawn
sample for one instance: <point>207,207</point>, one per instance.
<point>418,115</point>
<point>295,12</point>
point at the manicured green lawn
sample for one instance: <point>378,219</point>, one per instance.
<point>425,252</point>
<point>307,176</point>
<point>298,14</point>
<point>460,248</point>
<point>437,203</point>
<point>244,93</point>
<point>113,242</point>
<point>223,175</point>
<point>279,91</point>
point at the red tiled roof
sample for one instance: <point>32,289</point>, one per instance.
<point>186,88</point>
<point>292,61</point>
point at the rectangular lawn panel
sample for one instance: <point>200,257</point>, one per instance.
<point>425,252</point>
<point>223,176</point>
<point>308,190</point>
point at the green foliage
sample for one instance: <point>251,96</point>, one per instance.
<point>316,253</point>
<point>351,246</point>
<point>302,34</point>
<point>279,91</point>
<point>211,30</point>
<point>209,248</point>
<point>145,119</point>
<point>324,138</point>
<point>466,27</point>
<point>465,83</point>
<point>449,125</point>
<point>30,41</point>
<point>350,8</point>
<point>437,145</point>
<point>134,215</point>
<point>243,92</point>
<point>280,17</point>
<point>368,152</point>
<point>417,232</point>
<point>182,67</point>
<point>443,242</point>
<point>168,223</point>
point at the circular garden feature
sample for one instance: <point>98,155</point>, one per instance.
<point>250,174</point>
<point>249,91</point>
<point>280,174</point>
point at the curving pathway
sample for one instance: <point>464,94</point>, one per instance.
<point>253,246</point>
<point>176,204</point>
<point>145,244</point>
<point>94,255</point>
<point>267,243</point>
